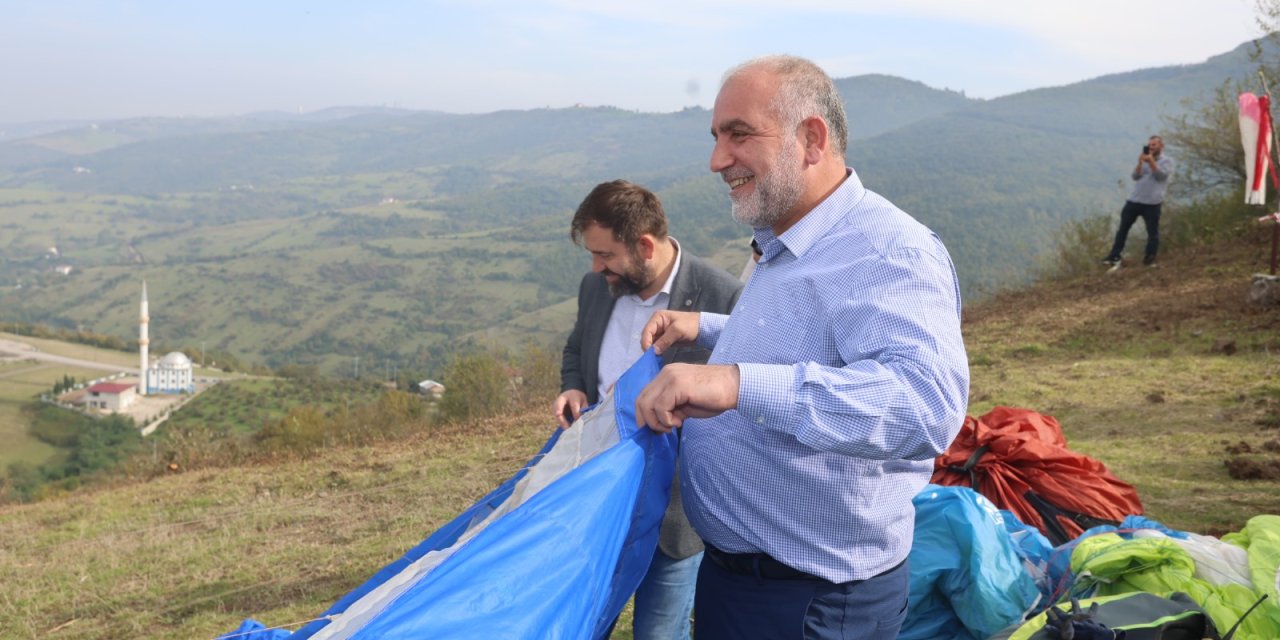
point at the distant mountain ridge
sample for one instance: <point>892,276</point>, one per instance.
<point>877,103</point>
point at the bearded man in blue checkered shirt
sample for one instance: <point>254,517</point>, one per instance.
<point>831,387</point>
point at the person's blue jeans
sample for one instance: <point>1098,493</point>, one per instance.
<point>664,599</point>
<point>1150,214</point>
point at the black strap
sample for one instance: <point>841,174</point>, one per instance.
<point>1050,513</point>
<point>971,465</point>
<point>1232,631</point>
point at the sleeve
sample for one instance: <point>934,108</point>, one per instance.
<point>1164,169</point>
<point>710,325</point>
<point>571,376</point>
<point>904,391</point>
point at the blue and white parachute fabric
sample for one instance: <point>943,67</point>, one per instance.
<point>555,552</point>
<point>968,577</point>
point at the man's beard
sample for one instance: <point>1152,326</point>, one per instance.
<point>774,194</point>
<point>638,276</point>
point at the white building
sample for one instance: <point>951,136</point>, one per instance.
<point>171,374</point>
<point>110,396</point>
<point>431,389</point>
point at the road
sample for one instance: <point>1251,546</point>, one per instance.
<point>10,349</point>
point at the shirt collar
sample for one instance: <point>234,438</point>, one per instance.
<point>814,225</point>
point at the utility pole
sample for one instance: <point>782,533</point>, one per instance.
<point>202,354</point>
<point>357,368</point>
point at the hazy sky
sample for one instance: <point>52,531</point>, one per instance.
<point>97,60</point>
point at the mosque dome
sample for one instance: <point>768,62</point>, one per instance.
<point>174,360</point>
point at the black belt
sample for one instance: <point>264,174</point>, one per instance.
<point>765,566</point>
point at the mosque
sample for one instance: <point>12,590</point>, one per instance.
<point>170,374</point>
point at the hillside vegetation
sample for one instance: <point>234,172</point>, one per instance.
<point>1167,375</point>
<point>391,235</point>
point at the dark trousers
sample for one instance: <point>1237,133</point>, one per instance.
<point>1150,214</point>
<point>737,606</point>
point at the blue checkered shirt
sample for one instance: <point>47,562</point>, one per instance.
<point>853,378</point>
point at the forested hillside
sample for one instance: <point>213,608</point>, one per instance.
<point>392,235</point>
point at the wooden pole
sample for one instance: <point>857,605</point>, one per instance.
<point>1275,242</point>
<point>1275,228</point>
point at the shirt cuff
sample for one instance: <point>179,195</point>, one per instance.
<point>766,395</point>
<point>709,327</point>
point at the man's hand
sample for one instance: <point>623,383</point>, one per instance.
<point>687,391</point>
<point>568,406</point>
<point>666,328</point>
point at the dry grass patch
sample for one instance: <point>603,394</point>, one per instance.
<point>1127,364</point>
<point>190,555</point>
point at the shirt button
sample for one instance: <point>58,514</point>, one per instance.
<point>760,322</point>
<point>760,420</point>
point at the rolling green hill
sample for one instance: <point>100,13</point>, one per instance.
<point>392,236</point>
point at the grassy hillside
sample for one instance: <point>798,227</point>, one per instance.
<point>189,555</point>
<point>1166,375</point>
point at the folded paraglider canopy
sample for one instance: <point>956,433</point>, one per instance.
<point>1019,460</point>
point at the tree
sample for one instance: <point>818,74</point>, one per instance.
<point>1206,134</point>
<point>23,479</point>
<point>1207,138</point>
<point>476,386</point>
<point>104,444</point>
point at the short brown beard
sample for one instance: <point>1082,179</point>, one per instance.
<point>635,280</point>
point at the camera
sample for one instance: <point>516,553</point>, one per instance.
<point>1146,149</point>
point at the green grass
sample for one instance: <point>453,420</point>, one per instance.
<point>1127,364</point>
<point>20,385</point>
<point>110,357</point>
<point>191,555</point>
<point>243,406</point>
<point>1159,423</point>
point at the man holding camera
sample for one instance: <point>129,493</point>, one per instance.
<point>1151,178</point>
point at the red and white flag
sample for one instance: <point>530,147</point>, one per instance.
<point>1255,135</point>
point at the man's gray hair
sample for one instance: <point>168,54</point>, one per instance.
<point>804,91</point>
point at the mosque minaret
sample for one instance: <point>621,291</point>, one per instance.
<point>143,320</point>
<point>172,373</point>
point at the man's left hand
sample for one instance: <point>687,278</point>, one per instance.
<point>683,391</point>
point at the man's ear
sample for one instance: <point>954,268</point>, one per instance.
<point>813,134</point>
<point>646,245</point>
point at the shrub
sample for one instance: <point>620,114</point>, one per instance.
<point>1077,248</point>
<point>303,428</point>
<point>477,385</point>
<point>539,374</point>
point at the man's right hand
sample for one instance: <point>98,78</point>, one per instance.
<point>666,328</point>
<point>568,407</point>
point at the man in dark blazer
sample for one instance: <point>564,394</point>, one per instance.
<point>636,270</point>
